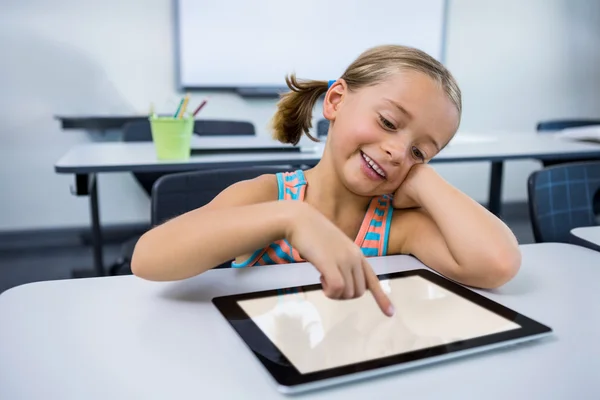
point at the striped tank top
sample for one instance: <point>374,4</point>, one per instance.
<point>372,236</point>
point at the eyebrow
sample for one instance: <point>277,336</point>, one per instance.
<point>399,107</point>
<point>436,144</point>
<point>409,115</point>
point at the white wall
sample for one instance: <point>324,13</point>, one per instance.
<point>516,61</point>
<point>519,62</point>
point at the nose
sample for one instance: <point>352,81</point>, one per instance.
<point>395,150</point>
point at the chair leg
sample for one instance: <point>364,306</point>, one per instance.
<point>121,266</point>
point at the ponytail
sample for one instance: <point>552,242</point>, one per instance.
<point>294,109</point>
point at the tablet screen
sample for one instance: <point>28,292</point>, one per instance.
<point>316,333</point>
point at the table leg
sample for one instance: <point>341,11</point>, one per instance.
<point>96,231</point>
<point>495,193</point>
<point>88,185</point>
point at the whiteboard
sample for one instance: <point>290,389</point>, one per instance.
<point>243,43</point>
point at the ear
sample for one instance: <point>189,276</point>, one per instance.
<point>334,98</point>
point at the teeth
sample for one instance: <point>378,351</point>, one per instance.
<point>373,165</point>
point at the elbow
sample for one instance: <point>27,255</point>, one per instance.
<point>142,265</point>
<point>503,267</point>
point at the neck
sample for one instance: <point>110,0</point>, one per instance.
<point>329,195</point>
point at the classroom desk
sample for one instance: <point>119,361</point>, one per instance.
<point>125,338</point>
<point>85,161</point>
<point>588,236</point>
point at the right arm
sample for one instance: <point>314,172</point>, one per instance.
<point>241,219</point>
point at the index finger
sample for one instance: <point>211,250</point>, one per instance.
<point>382,300</point>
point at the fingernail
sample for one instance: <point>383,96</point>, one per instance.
<point>391,310</point>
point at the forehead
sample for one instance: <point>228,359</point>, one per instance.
<point>421,96</point>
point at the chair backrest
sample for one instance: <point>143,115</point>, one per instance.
<point>176,194</point>
<point>322,127</point>
<point>559,124</point>
<point>563,197</point>
<point>139,131</point>
<point>210,127</point>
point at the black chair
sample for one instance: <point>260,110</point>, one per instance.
<point>552,126</point>
<point>209,127</point>
<point>322,127</point>
<point>179,193</point>
<point>139,131</point>
<point>563,197</point>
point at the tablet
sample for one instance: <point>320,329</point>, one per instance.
<point>306,340</point>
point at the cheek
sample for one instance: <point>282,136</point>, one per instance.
<point>355,132</point>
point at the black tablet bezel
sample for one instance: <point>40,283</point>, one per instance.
<point>287,375</point>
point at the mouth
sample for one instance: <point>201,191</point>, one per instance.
<point>373,165</point>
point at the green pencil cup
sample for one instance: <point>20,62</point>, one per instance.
<point>172,137</point>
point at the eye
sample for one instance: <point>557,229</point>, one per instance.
<point>418,154</point>
<point>387,124</point>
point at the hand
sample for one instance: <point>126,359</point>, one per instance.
<point>407,194</point>
<point>345,272</point>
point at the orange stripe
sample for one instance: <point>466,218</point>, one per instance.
<point>378,218</point>
<point>302,192</point>
<point>296,256</point>
<point>257,260</point>
<point>371,244</point>
<point>364,227</point>
<point>284,246</point>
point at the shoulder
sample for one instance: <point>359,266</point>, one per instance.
<point>261,189</point>
<point>409,226</point>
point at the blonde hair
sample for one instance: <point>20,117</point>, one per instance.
<point>294,109</point>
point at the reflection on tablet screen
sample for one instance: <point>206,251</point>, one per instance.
<point>317,333</point>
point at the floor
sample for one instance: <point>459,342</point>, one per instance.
<point>22,266</point>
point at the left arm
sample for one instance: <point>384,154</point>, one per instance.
<point>452,233</point>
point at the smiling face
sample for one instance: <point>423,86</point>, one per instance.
<point>378,133</point>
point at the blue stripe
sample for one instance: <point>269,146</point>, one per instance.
<point>290,177</point>
<point>248,261</point>
<point>280,185</point>
<point>379,212</point>
<point>382,202</point>
<point>386,234</point>
<point>369,251</point>
<point>301,177</point>
<point>290,246</point>
<point>376,223</point>
<point>372,236</point>
<point>293,195</point>
<point>280,253</point>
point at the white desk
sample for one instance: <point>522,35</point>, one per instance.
<point>141,157</point>
<point>588,236</point>
<point>124,338</point>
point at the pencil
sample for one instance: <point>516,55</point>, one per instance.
<point>178,109</point>
<point>186,100</point>
<point>200,107</point>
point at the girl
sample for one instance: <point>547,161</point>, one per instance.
<point>372,193</point>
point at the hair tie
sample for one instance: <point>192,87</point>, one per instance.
<point>331,83</point>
